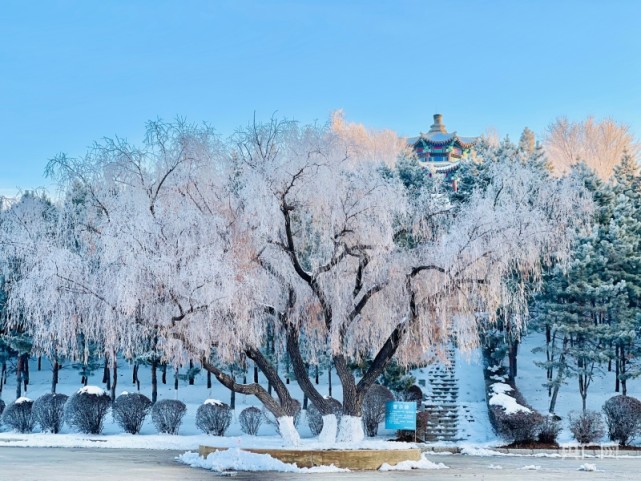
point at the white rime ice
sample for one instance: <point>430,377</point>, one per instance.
<point>288,431</point>
<point>329,431</point>
<point>95,390</point>
<point>351,430</point>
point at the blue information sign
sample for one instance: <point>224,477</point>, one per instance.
<point>400,415</point>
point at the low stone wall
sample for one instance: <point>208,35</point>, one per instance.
<point>356,460</point>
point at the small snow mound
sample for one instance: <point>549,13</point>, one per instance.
<point>499,397</point>
<point>587,467</point>
<point>531,467</point>
<point>22,399</point>
<point>235,459</point>
<point>473,451</point>
<point>495,466</point>
<point>95,390</point>
<point>424,463</point>
<point>213,402</point>
<point>124,393</point>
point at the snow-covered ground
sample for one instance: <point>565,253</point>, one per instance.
<point>189,437</point>
<point>474,427</point>
<point>474,423</point>
<point>530,380</point>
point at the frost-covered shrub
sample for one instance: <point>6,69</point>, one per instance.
<point>87,408</point>
<point>374,407</point>
<point>623,418</point>
<point>49,412</point>
<point>550,429</point>
<point>167,415</point>
<point>520,427</point>
<point>250,420</point>
<point>315,418</point>
<point>510,415</point>
<point>18,415</point>
<point>271,419</point>
<point>130,410</point>
<point>213,417</point>
<point>586,427</point>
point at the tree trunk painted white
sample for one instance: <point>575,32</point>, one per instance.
<point>288,431</point>
<point>329,431</point>
<point>351,430</point>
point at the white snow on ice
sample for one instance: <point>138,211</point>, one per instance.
<point>424,463</point>
<point>235,459</point>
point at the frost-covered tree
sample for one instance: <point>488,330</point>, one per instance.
<point>600,144</point>
<point>367,269</point>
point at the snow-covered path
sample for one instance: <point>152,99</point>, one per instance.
<point>52,464</point>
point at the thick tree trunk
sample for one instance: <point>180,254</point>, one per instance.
<point>208,380</point>
<point>191,372</point>
<point>164,374</point>
<point>256,374</point>
<point>134,374</point>
<point>301,373</point>
<point>39,363</point>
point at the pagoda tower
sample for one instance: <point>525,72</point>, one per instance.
<point>439,150</point>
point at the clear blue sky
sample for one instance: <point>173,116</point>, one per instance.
<point>74,71</point>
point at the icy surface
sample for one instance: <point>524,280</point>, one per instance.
<point>238,460</point>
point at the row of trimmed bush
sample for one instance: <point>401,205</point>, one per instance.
<point>86,412</point>
<point>87,409</point>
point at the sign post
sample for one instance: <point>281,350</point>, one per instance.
<point>400,415</point>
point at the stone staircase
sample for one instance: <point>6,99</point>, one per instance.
<point>440,400</point>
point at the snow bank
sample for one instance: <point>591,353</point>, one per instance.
<point>587,467</point>
<point>424,463</point>
<point>499,397</point>
<point>238,460</point>
<point>95,390</point>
